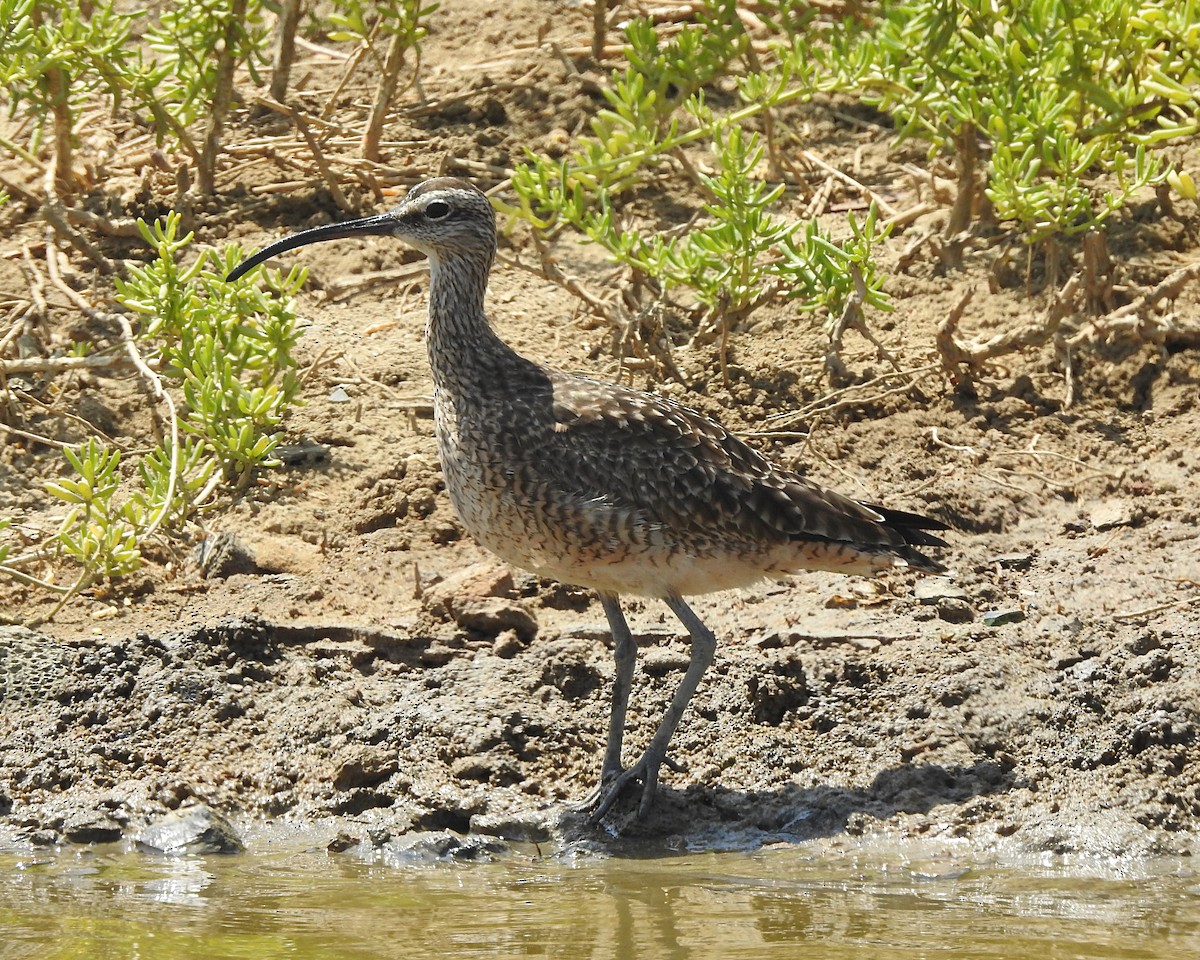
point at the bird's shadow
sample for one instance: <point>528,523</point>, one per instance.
<point>714,817</point>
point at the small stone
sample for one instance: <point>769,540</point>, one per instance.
<point>479,598</point>
<point>91,826</point>
<point>222,555</point>
<point>660,662</point>
<point>486,768</point>
<point>363,765</point>
<point>443,846</point>
<point>192,830</point>
<point>484,579</point>
<point>507,645</point>
<point>378,836</point>
<point>303,454</point>
<point>954,610</point>
<point>472,768</point>
<point>1111,513</point>
<point>1014,561</point>
<point>998,618</point>
<point>491,616</point>
<point>932,589</point>
<point>770,640</point>
<point>342,842</point>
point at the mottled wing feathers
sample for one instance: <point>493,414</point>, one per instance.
<point>676,467</point>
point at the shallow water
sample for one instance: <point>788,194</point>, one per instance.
<point>799,901</point>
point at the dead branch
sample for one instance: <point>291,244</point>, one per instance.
<point>884,207</point>
<point>154,382</point>
<point>1097,272</point>
<point>222,98</point>
<point>327,174</point>
<point>610,312</point>
<point>819,201</point>
<point>958,354</point>
<point>1139,320</point>
<point>392,65</point>
<point>839,399</point>
<point>905,217</point>
<point>852,318</point>
<point>60,364</point>
<point>35,437</point>
<point>55,214</point>
<point>110,228</point>
<point>285,47</point>
<point>599,29</point>
<point>966,153</point>
<point>1157,608</point>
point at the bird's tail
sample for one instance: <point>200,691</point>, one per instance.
<point>914,528</point>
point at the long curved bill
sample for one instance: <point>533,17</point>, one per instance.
<point>380,224</point>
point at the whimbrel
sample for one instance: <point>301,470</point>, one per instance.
<point>602,486</point>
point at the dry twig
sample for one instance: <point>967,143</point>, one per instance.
<point>961,358</point>
<point>884,206</point>
<point>55,214</point>
<point>1157,608</point>
<point>1139,321</point>
<point>839,399</point>
<point>852,318</point>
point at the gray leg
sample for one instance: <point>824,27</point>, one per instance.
<point>625,654</point>
<point>704,647</point>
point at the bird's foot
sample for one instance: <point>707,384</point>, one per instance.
<point>612,785</point>
<point>589,801</point>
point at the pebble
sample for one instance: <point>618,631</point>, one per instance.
<point>1111,513</point>
<point>192,830</point>
<point>222,555</point>
<point>507,645</point>
<point>932,589</point>
<point>491,616</point>
<point>483,579</point>
<point>364,765</point>
<point>444,845</point>
<point>661,662</point>
<point>91,826</point>
<point>955,610</point>
<point>479,598</point>
<point>342,842</point>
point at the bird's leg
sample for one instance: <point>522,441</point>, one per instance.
<point>625,655</point>
<point>704,647</point>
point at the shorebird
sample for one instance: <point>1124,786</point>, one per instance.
<point>602,486</point>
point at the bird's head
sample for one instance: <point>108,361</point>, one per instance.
<point>443,217</point>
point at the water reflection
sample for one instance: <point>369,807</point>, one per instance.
<point>788,902</point>
<point>186,880</point>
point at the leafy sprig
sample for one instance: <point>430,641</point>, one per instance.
<point>1061,93</point>
<point>229,351</point>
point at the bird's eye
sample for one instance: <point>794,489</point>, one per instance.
<point>437,210</point>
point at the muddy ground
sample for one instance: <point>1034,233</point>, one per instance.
<point>346,656</point>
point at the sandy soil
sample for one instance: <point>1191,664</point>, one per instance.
<point>346,655</point>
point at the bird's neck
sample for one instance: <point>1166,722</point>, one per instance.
<point>463,347</point>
